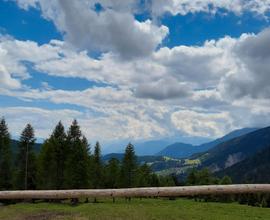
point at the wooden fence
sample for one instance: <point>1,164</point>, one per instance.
<point>137,192</point>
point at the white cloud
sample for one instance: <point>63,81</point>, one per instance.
<point>202,123</point>
<point>201,65</point>
<point>109,30</point>
<point>95,128</point>
<point>204,82</point>
<point>252,76</point>
<point>18,117</point>
<point>165,88</point>
<point>183,7</point>
<point>26,4</point>
<point>6,81</point>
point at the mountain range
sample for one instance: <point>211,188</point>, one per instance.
<point>233,151</point>
<point>183,150</point>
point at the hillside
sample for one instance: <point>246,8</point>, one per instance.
<point>233,151</point>
<point>254,169</point>
<point>150,147</point>
<point>182,150</point>
<point>227,137</point>
<point>178,150</point>
<point>140,159</point>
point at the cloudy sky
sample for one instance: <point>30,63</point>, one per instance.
<point>135,69</point>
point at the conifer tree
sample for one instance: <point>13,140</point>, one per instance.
<point>26,160</point>
<point>5,157</point>
<point>76,174</point>
<point>129,166</point>
<point>46,163</point>
<point>97,175</point>
<point>144,177</point>
<point>112,173</point>
<point>52,159</point>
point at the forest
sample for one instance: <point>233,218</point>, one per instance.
<point>66,161</point>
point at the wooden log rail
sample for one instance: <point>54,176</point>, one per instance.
<point>137,192</point>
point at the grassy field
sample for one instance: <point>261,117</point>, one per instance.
<point>136,209</point>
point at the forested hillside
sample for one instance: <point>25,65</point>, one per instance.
<point>233,151</point>
<point>255,169</point>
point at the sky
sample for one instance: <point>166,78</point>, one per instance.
<point>135,69</point>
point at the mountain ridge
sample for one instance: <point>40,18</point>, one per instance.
<point>183,150</point>
<point>231,152</point>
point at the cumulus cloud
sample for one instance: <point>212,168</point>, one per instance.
<point>203,124</point>
<point>6,81</point>
<point>186,89</point>
<point>162,89</point>
<point>253,59</point>
<point>109,30</point>
<point>203,65</point>
<point>115,28</point>
<point>95,128</point>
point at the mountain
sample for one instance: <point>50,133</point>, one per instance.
<point>182,150</point>
<point>150,147</point>
<point>178,150</point>
<point>107,157</point>
<point>141,148</point>
<point>254,169</point>
<point>227,137</point>
<point>233,151</point>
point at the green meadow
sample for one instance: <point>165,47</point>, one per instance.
<point>135,209</point>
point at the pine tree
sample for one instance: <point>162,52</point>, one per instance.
<point>226,180</point>
<point>46,164</point>
<point>192,178</point>
<point>5,157</point>
<point>97,176</point>
<point>144,177</point>
<point>112,173</point>
<point>76,173</point>
<point>26,160</point>
<point>129,166</point>
<point>52,160</point>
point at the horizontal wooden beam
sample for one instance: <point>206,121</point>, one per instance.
<point>137,192</point>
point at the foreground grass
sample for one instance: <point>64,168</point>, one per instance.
<point>136,209</point>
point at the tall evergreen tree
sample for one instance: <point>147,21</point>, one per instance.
<point>5,157</point>
<point>129,166</point>
<point>112,173</point>
<point>97,168</point>
<point>52,159</point>
<point>26,160</point>
<point>77,173</point>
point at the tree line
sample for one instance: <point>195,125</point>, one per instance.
<point>66,161</point>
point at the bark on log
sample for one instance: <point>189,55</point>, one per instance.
<point>137,192</point>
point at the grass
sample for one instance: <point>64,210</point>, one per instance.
<point>136,209</point>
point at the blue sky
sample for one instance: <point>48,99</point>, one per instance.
<point>134,71</point>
